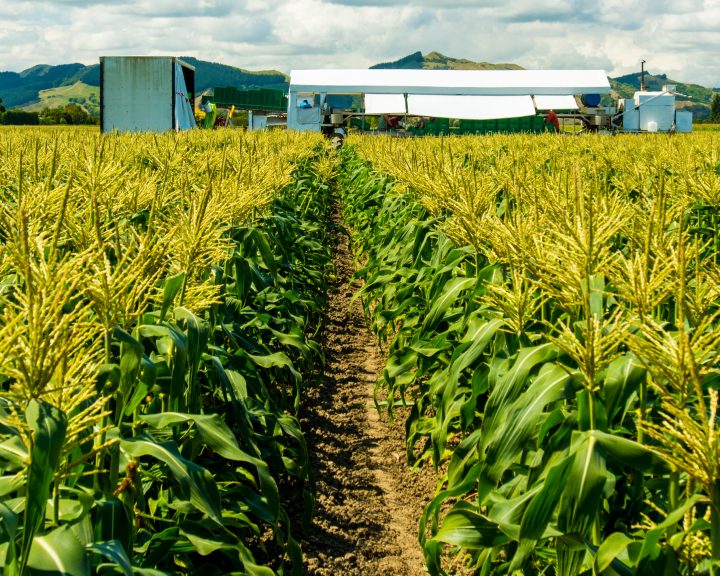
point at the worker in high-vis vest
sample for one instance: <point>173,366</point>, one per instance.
<point>210,114</point>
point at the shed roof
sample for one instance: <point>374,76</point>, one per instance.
<point>451,82</point>
<point>148,59</point>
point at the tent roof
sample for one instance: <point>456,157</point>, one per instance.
<point>451,82</point>
<point>557,102</point>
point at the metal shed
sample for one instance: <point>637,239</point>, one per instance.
<point>146,94</point>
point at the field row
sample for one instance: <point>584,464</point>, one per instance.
<point>551,310</point>
<point>160,298</point>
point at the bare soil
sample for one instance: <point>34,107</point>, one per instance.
<point>368,501</point>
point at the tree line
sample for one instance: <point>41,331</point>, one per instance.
<point>72,114</point>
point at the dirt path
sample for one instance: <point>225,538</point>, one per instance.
<point>368,502</point>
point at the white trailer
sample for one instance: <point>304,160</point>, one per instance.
<point>146,94</point>
<point>654,112</point>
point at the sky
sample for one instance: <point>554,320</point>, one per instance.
<point>678,37</point>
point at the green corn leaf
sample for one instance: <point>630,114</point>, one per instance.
<point>8,531</point>
<point>49,426</point>
<point>623,378</point>
<point>448,297</point>
<point>542,507</point>
<point>610,549</point>
<point>218,436</point>
<point>235,387</point>
<point>112,520</point>
<point>508,513</point>
<point>596,294</point>
<point>540,511</point>
<point>197,337</point>
<point>113,550</point>
<point>509,385</point>
<point>131,354</point>
<point>464,457</point>
<point>581,499</point>
<point>173,285</point>
<point>148,375</point>
<point>276,360</point>
<point>266,253</point>
<point>205,543</point>
<point>630,453</point>
<point>213,431</point>
<point>194,480</point>
<point>521,419</point>
<point>10,484</point>
<point>479,334</point>
<point>14,452</point>
<point>177,360</point>
<point>465,527</point>
<point>59,553</point>
<point>650,547</point>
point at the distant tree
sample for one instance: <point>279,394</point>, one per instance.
<point>70,114</point>
<point>78,114</point>
<point>2,108</point>
<point>715,107</point>
<point>55,116</point>
<point>14,117</point>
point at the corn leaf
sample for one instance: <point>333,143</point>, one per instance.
<point>49,426</point>
<point>59,552</point>
<point>194,480</point>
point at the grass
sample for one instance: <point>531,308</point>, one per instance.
<point>79,93</point>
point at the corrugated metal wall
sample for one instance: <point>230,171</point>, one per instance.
<point>137,93</point>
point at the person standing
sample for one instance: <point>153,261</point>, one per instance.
<point>210,114</point>
<point>552,118</point>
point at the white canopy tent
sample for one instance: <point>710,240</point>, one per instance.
<point>470,107</point>
<point>451,82</point>
<point>466,94</point>
<point>385,104</point>
<point>545,102</point>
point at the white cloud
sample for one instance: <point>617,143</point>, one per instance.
<point>677,37</point>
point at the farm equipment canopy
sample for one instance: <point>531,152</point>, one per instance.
<point>467,94</point>
<point>451,82</point>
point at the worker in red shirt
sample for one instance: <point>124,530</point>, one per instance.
<point>552,118</point>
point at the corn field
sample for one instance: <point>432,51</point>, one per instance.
<point>159,301</point>
<point>548,307</point>
<point>550,311</point>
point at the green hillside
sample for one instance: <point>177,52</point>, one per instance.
<point>437,61</point>
<point>79,93</point>
<point>626,85</point>
<point>21,88</point>
<point>51,86</point>
<point>212,74</point>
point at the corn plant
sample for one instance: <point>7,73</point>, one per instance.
<point>556,342</point>
<point>156,332</point>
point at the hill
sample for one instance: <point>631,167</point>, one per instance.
<point>20,88</point>
<point>79,93</point>
<point>437,61</point>
<point>45,85</point>
<point>626,85</point>
<point>211,74</point>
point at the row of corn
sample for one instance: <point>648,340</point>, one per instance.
<point>159,299</point>
<point>550,310</point>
